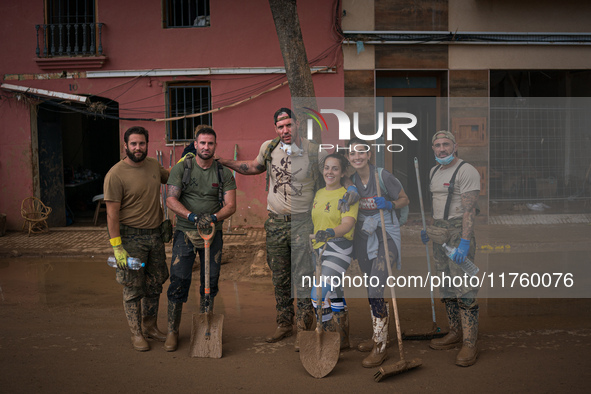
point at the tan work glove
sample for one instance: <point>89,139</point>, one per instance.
<point>120,253</point>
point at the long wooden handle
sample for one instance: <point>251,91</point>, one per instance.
<point>207,238</point>
<point>394,305</point>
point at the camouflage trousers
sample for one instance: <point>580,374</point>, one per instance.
<point>148,281</point>
<point>465,294</point>
<point>289,258</point>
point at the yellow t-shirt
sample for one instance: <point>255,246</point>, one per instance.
<point>325,212</point>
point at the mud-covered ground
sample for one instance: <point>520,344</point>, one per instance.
<point>62,330</point>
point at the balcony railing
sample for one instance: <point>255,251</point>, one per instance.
<point>69,39</point>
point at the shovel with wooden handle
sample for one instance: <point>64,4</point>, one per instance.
<point>206,332</point>
<point>319,350</point>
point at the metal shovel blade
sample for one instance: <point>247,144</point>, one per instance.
<point>206,335</point>
<point>319,351</point>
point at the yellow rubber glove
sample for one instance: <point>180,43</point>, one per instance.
<point>120,253</point>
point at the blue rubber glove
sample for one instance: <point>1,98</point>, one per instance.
<point>424,237</point>
<point>349,198</point>
<point>382,203</point>
<point>192,217</point>
<point>462,251</point>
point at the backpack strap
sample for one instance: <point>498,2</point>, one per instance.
<point>450,191</point>
<point>188,166</point>
<point>220,183</point>
<point>267,159</point>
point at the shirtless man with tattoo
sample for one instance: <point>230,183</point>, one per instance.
<point>455,186</point>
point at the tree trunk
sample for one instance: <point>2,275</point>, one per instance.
<point>299,77</point>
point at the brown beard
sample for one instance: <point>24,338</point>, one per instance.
<point>135,159</point>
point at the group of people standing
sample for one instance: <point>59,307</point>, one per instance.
<point>332,197</point>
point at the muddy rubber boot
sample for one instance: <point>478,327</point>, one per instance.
<point>341,319</point>
<point>174,321</point>
<point>280,333</point>
<point>150,318</point>
<point>367,345</point>
<point>328,324</point>
<point>134,319</point>
<point>454,337</point>
<point>380,337</point>
<point>303,323</point>
<point>469,352</point>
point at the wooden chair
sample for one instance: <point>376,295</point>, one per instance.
<point>100,206</point>
<point>35,214</point>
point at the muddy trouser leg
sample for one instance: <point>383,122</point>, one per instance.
<point>379,307</point>
<point>301,269</point>
<point>215,263</point>
<point>134,288</point>
<point>278,260</point>
<point>360,253</point>
<point>181,272</point>
<point>156,273</point>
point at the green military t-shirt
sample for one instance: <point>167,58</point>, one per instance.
<point>201,195</point>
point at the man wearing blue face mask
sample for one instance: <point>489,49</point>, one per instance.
<point>455,186</point>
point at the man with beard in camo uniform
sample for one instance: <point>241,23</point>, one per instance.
<point>293,167</point>
<point>134,218</point>
<point>455,185</point>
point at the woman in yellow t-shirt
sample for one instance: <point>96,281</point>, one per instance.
<point>336,230</point>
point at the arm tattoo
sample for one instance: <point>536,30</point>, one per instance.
<point>174,191</point>
<point>469,200</point>
<point>243,168</point>
<point>261,167</point>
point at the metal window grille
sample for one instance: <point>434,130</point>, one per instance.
<point>71,29</point>
<point>187,100</point>
<point>539,149</point>
<point>187,13</point>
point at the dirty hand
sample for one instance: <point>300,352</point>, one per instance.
<point>424,237</point>
<point>204,220</point>
<point>349,198</point>
<point>324,235</point>
<point>462,251</point>
<point>382,203</point>
<point>120,253</point>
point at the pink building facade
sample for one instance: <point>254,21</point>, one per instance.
<point>139,63</point>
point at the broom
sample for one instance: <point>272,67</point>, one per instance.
<point>402,365</point>
<point>435,331</point>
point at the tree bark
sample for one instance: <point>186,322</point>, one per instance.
<point>299,77</point>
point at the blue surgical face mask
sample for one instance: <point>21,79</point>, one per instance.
<point>446,160</point>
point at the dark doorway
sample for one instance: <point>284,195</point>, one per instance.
<point>76,150</point>
<point>423,95</point>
